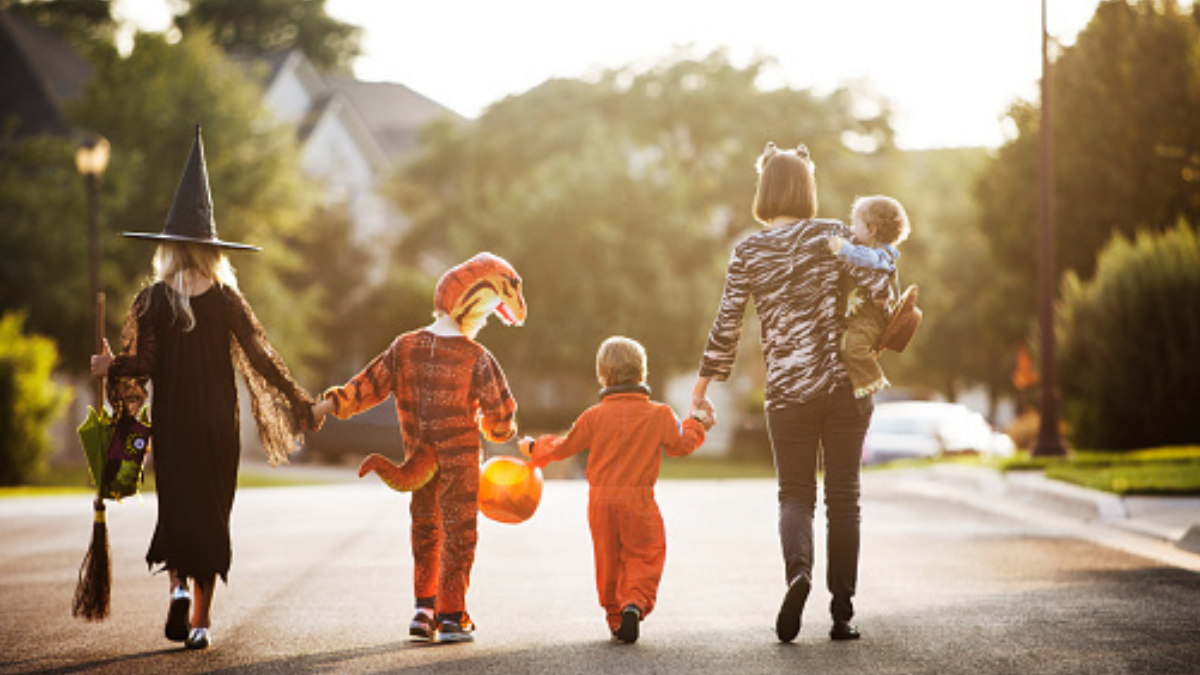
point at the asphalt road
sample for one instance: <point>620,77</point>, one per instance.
<point>321,583</point>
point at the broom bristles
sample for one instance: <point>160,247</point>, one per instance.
<point>95,574</point>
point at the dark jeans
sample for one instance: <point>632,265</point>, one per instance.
<point>832,428</point>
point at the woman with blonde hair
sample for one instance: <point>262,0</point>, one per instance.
<point>184,335</point>
<point>812,415</point>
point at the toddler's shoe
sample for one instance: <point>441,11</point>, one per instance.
<point>787,623</point>
<point>455,631</point>
<point>423,625</point>
<point>177,626</point>
<point>631,616</point>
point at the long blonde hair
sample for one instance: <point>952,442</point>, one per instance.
<point>174,261</point>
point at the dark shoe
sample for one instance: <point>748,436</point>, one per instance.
<point>199,638</point>
<point>787,623</point>
<point>453,631</point>
<point>631,616</point>
<point>844,630</point>
<point>177,615</point>
<point>423,626</point>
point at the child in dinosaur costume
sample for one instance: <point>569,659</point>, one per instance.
<point>448,388</point>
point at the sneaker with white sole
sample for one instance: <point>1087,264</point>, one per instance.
<point>423,625</point>
<point>455,631</point>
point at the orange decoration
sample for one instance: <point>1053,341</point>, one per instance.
<point>510,489</point>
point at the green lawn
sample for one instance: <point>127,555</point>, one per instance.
<point>72,480</point>
<point>1164,471</point>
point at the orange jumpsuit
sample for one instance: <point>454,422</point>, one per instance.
<point>447,390</point>
<point>626,434</point>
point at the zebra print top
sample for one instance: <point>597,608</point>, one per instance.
<point>792,278</point>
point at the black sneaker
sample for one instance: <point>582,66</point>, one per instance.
<point>787,623</point>
<point>423,626</point>
<point>631,616</point>
<point>454,631</point>
<point>178,623</point>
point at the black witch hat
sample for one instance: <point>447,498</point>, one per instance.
<point>191,217</point>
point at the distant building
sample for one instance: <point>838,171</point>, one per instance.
<point>352,134</point>
<point>38,74</point>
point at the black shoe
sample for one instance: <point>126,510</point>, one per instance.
<point>178,625</point>
<point>844,630</point>
<point>787,623</point>
<point>423,626</point>
<point>454,631</point>
<point>631,616</point>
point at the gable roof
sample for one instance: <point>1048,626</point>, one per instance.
<point>38,74</point>
<point>393,112</point>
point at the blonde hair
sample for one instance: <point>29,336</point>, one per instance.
<point>174,260</point>
<point>787,185</point>
<point>620,360</point>
<point>884,217</point>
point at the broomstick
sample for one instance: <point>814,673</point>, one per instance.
<point>94,589</point>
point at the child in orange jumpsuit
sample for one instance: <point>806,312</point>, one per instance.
<point>448,389</point>
<point>626,434</point>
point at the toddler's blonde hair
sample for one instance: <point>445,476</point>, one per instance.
<point>620,360</point>
<point>884,216</point>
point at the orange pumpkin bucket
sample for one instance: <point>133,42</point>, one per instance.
<point>510,489</point>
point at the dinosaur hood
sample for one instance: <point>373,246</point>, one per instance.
<point>468,293</point>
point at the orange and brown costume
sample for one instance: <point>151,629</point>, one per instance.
<point>447,390</point>
<point>626,434</point>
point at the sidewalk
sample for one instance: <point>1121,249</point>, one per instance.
<point>1162,528</point>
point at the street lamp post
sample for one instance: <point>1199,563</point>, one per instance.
<point>91,158</point>
<point>1049,441</point>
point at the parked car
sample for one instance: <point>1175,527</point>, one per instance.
<point>913,429</point>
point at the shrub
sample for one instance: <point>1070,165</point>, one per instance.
<point>1129,340</point>
<point>29,401</point>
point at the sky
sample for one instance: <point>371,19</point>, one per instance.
<point>949,68</point>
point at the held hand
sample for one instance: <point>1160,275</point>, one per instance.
<point>702,409</point>
<point>101,361</point>
<point>320,410</point>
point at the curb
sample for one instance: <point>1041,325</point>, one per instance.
<point>1173,520</point>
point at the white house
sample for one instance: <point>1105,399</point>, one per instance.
<point>353,135</point>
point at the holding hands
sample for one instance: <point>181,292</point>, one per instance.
<point>101,361</point>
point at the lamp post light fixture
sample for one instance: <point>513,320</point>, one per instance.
<point>91,158</point>
<point>1049,440</point>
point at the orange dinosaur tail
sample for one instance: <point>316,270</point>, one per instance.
<point>412,475</point>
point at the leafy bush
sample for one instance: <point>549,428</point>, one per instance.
<point>29,400</point>
<point>1129,340</point>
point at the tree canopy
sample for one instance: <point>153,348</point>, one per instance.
<point>1126,147</point>
<point>270,26</point>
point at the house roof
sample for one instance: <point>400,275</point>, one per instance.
<point>38,74</point>
<point>393,112</point>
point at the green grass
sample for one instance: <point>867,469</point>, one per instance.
<point>709,468</point>
<point>1162,471</point>
<point>75,480</point>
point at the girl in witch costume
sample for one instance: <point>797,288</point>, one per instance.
<point>448,389</point>
<point>184,334</point>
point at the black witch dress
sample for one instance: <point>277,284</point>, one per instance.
<point>194,416</point>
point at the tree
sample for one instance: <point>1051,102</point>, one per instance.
<point>87,24</point>
<point>1127,145</point>
<point>43,244</point>
<point>618,198</point>
<point>265,27</point>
